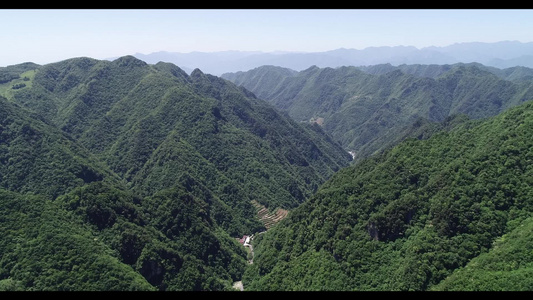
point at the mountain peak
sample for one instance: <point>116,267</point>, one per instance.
<point>129,60</point>
<point>197,74</point>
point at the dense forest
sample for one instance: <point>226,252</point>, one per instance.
<point>369,109</point>
<point>126,176</point>
<point>452,212</point>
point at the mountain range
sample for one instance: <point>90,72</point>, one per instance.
<point>134,176</point>
<point>124,175</point>
<point>502,54</point>
<point>368,109</point>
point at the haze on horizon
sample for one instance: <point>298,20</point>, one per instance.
<point>45,35</point>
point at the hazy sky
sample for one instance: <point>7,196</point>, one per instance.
<point>45,35</point>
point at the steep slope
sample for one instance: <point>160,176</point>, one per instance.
<point>37,157</point>
<point>170,238</point>
<point>125,109</point>
<point>45,249</point>
<point>507,266</point>
<point>262,81</point>
<point>100,238</point>
<point>407,219</point>
<point>363,109</point>
<point>158,170</point>
<point>93,234</point>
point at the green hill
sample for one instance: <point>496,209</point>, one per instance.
<point>152,170</point>
<point>126,111</point>
<point>516,74</point>
<point>69,223</point>
<point>37,157</point>
<point>44,248</point>
<point>447,213</point>
<point>365,109</point>
<point>507,266</point>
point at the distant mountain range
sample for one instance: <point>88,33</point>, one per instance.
<point>502,54</point>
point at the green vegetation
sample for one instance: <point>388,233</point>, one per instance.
<point>36,157</point>
<point>369,109</point>
<point>12,80</point>
<point>123,176</point>
<point>127,176</point>
<point>428,214</point>
<point>45,249</point>
<point>507,266</point>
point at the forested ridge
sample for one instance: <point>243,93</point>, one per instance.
<point>122,175</point>
<point>451,212</point>
<point>119,175</point>
<point>369,109</point>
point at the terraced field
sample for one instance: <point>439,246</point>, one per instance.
<point>269,218</point>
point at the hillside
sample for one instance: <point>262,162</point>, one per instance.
<point>507,266</point>
<point>447,213</point>
<point>37,157</point>
<point>160,169</point>
<point>69,223</point>
<point>126,112</point>
<point>516,74</point>
<point>45,249</point>
<point>367,109</point>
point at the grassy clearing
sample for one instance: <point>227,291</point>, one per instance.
<point>8,89</point>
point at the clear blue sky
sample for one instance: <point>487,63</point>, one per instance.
<point>45,35</point>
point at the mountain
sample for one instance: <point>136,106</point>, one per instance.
<point>502,55</point>
<point>45,249</point>
<point>505,267</point>
<point>125,175</point>
<point>451,212</point>
<point>516,74</point>
<point>151,170</point>
<point>125,111</point>
<point>369,109</point>
<point>217,63</point>
<point>39,158</point>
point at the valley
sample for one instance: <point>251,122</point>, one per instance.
<point>125,175</point>
<point>160,167</point>
<point>368,110</point>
